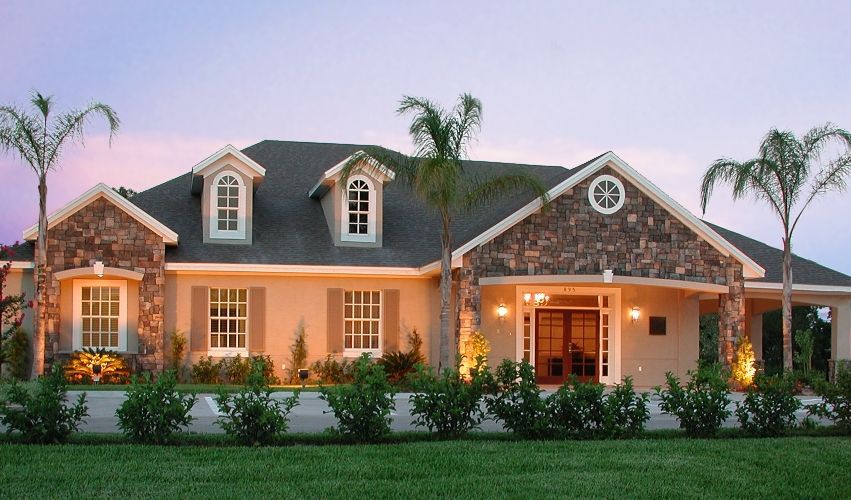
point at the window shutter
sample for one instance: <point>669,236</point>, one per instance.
<point>390,321</point>
<point>256,320</point>
<point>335,320</point>
<point>199,338</point>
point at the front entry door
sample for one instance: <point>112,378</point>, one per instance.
<point>566,343</point>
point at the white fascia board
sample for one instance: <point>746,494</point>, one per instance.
<point>328,176</point>
<point>21,264</point>
<point>751,268</point>
<point>760,285</point>
<point>102,190</point>
<point>255,167</point>
<point>202,267</point>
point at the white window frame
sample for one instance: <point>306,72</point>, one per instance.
<point>228,352</point>
<point>77,304</point>
<point>345,235</point>
<point>618,184</point>
<point>351,352</point>
<point>215,232</point>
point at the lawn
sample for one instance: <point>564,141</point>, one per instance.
<point>784,467</point>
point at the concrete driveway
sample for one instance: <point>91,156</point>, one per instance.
<point>310,414</point>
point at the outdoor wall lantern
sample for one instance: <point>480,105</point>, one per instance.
<point>635,313</point>
<point>99,269</point>
<point>502,312</point>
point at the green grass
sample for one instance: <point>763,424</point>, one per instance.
<point>476,468</point>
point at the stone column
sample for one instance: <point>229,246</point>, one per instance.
<point>469,297</point>
<point>731,313</point>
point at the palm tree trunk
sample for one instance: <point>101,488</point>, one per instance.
<point>787,304</point>
<point>445,289</point>
<point>39,335</point>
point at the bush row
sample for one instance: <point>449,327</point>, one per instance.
<point>447,404</point>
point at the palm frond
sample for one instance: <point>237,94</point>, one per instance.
<point>752,177</point>
<point>485,191</point>
<point>19,132</point>
<point>833,177</point>
<point>371,160</point>
<point>69,127</point>
<point>44,104</point>
<point>468,122</point>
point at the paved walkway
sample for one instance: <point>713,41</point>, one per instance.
<point>310,414</point>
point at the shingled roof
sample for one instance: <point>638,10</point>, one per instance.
<point>290,228</point>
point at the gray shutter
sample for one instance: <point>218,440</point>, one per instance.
<point>390,324</point>
<point>199,337</point>
<point>335,320</point>
<point>256,320</point>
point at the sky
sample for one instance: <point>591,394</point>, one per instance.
<point>668,86</point>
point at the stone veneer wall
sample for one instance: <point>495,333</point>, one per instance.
<point>641,239</point>
<point>102,231</point>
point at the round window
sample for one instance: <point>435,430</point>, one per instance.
<point>606,194</point>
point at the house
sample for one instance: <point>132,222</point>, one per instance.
<point>250,246</point>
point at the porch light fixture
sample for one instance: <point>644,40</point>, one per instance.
<point>635,313</point>
<point>536,299</point>
<point>99,269</point>
<point>502,312</point>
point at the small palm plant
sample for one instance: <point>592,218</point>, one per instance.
<point>98,365</point>
<point>789,173</point>
<point>40,139</point>
<point>437,177</point>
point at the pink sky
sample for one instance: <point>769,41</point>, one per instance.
<point>668,86</point>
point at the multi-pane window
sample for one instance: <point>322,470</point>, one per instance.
<point>227,203</point>
<point>100,315</point>
<point>362,319</point>
<point>358,197</point>
<point>228,318</point>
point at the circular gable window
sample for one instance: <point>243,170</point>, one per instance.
<point>606,194</point>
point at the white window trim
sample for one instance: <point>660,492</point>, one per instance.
<point>375,353</point>
<point>229,352</point>
<point>618,184</point>
<point>344,212</point>
<point>77,300</point>
<point>215,232</point>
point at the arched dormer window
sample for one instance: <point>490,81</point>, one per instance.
<point>359,202</point>
<point>227,206</point>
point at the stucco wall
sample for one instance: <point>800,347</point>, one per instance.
<point>18,281</point>
<point>303,299</point>
<point>645,357</point>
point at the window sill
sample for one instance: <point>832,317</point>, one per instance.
<point>356,353</point>
<point>227,353</point>
<point>358,238</point>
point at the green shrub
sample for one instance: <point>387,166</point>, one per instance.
<point>268,369</point>
<point>517,401</point>
<point>363,408</point>
<point>236,369</point>
<point>17,353</point>
<point>333,371</point>
<point>836,400</point>
<point>626,412</point>
<point>447,404</point>
<point>769,406</point>
<point>298,354</point>
<point>398,365</point>
<point>700,406</point>
<point>178,352</point>
<point>43,417</point>
<point>252,416</point>
<point>206,372</point>
<point>154,411</point>
<point>577,409</point>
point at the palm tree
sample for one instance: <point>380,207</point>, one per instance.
<point>436,175</point>
<point>40,141</point>
<point>788,174</point>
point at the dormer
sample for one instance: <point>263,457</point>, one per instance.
<point>226,182</point>
<point>354,212</point>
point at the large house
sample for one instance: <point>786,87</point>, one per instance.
<point>250,246</point>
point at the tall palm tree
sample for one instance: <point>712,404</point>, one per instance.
<point>40,140</point>
<point>436,175</point>
<point>789,173</point>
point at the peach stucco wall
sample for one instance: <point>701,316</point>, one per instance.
<point>292,300</point>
